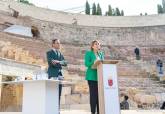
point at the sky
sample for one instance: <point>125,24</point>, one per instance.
<point>130,7</point>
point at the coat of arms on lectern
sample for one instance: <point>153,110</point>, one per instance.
<point>110,81</point>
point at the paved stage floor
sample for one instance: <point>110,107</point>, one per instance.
<point>122,112</point>
<point>86,112</point>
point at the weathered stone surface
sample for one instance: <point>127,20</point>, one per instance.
<point>66,91</point>
<point>118,42</point>
<point>83,20</point>
<point>80,106</point>
<point>73,99</point>
<point>63,100</point>
<point>16,53</point>
<point>84,98</point>
<point>81,87</point>
<point>16,68</point>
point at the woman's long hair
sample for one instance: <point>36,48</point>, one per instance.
<point>93,42</point>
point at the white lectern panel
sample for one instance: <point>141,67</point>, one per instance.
<point>40,97</point>
<point>110,86</point>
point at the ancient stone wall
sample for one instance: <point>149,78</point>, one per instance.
<point>118,35</point>
<point>84,20</point>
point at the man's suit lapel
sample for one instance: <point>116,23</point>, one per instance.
<point>56,54</point>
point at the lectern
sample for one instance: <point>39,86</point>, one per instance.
<point>39,96</point>
<point>108,86</point>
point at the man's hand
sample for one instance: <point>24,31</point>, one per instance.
<point>55,62</point>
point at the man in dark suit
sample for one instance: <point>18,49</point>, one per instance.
<point>55,62</point>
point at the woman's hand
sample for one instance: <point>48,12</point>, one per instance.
<point>95,61</point>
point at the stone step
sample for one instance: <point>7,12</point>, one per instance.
<point>77,107</point>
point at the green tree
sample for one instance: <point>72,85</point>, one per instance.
<point>106,13</point>
<point>25,2</point>
<point>109,13</point>
<point>122,13</point>
<point>117,12</point>
<point>98,10</point>
<point>113,12</point>
<point>163,5</point>
<point>87,8</point>
<point>94,9</point>
<point>146,14</point>
<point>160,9</point>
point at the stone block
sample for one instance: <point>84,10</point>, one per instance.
<point>66,91</point>
<point>73,99</point>
<point>17,56</point>
<point>62,99</point>
<point>80,107</point>
<point>81,87</point>
<point>65,106</point>
<point>10,54</point>
<point>84,98</point>
<point>4,51</point>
